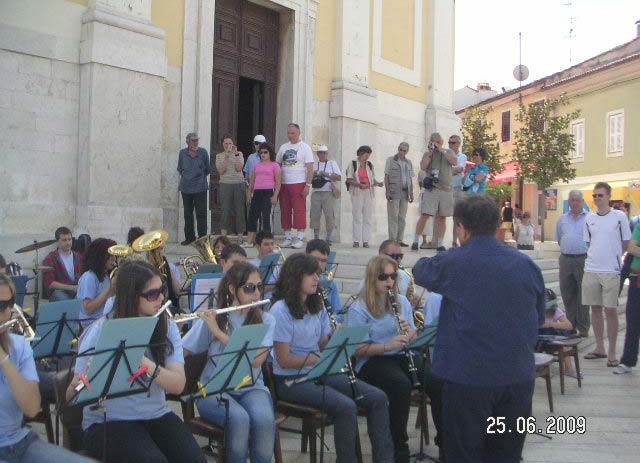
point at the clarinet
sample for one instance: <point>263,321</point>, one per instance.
<point>351,375</point>
<point>415,382</point>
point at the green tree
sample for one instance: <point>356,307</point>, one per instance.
<point>500,192</point>
<point>477,132</point>
<point>543,145</point>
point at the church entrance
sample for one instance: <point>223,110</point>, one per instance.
<point>245,81</point>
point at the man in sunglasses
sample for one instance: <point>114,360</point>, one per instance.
<point>493,301</point>
<point>607,235</point>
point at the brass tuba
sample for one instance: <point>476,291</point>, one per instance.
<point>204,246</point>
<point>152,243</point>
<point>119,250</point>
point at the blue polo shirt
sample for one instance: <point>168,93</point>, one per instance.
<point>193,171</point>
<point>492,305</point>
<point>570,233</point>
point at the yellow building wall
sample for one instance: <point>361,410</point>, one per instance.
<point>325,50</point>
<point>169,15</point>
<point>397,46</point>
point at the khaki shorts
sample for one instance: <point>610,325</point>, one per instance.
<point>437,203</point>
<point>600,289</point>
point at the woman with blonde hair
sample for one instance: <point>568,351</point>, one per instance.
<point>381,361</point>
<point>20,396</point>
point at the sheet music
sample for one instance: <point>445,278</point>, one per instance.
<point>201,288</point>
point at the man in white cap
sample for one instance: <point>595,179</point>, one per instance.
<point>322,199</point>
<point>254,157</point>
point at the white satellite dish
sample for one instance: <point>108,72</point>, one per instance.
<point>521,72</point>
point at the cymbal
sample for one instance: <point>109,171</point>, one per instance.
<point>38,267</point>
<point>36,245</point>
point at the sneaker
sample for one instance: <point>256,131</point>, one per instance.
<point>297,244</point>
<point>427,246</point>
<point>403,244</point>
<point>246,245</point>
<point>414,247</point>
<point>287,243</point>
<point>621,369</point>
<point>441,249</point>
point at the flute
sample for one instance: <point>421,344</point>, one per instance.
<point>407,352</point>
<point>164,308</point>
<point>181,318</point>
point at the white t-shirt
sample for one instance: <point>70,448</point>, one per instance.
<point>67,260</point>
<point>330,167</point>
<point>604,235</point>
<point>294,159</point>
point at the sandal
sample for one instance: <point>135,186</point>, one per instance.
<point>595,355</point>
<point>613,363</point>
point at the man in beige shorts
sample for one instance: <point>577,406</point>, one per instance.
<point>437,198</point>
<point>607,234</point>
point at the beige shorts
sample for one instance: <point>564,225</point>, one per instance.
<point>458,195</point>
<point>437,203</point>
<point>600,289</point>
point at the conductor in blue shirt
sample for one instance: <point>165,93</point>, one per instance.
<point>492,305</point>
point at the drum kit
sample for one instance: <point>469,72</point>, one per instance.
<point>36,267</point>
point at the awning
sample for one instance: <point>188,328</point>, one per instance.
<point>508,175</point>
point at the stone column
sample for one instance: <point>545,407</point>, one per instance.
<point>353,109</point>
<point>122,71</point>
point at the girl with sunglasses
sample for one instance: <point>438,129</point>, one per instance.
<point>263,192</point>
<point>380,359</point>
<point>20,396</point>
<point>251,423</point>
<point>301,333</point>
<point>141,427</point>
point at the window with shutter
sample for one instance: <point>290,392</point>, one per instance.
<point>577,130</point>
<point>506,125</point>
<point>615,133</point>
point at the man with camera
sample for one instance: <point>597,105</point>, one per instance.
<point>437,199</point>
<point>398,172</point>
<point>322,197</point>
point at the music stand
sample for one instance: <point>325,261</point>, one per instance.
<point>113,371</point>
<point>234,366</point>
<point>426,336</point>
<point>57,328</point>
<point>336,354</point>
<point>201,286</point>
<point>268,266</point>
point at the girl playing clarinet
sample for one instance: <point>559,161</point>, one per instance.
<point>302,331</point>
<point>251,422</point>
<point>140,427</point>
<point>381,361</point>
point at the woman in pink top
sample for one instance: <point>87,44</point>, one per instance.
<point>263,190</point>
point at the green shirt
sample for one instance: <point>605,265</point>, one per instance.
<point>635,263</point>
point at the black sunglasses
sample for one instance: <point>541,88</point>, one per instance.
<point>598,195</point>
<point>250,288</point>
<point>397,256</point>
<point>386,276</point>
<point>153,294</point>
<point>5,304</point>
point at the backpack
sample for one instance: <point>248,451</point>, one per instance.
<point>355,170</point>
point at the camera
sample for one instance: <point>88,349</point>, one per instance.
<point>318,181</point>
<point>432,146</point>
<point>429,183</point>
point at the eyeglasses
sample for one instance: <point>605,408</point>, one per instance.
<point>250,288</point>
<point>386,276</point>
<point>264,152</point>
<point>598,195</point>
<point>153,294</point>
<point>402,150</point>
<point>5,304</point>
<point>397,257</point>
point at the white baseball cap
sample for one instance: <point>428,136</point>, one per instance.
<point>323,148</point>
<point>259,139</point>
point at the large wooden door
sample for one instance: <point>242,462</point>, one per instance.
<point>245,47</point>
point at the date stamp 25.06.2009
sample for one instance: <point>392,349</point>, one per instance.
<point>530,425</point>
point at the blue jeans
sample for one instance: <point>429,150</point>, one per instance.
<point>336,400</point>
<point>33,450</point>
<point>251,423</point>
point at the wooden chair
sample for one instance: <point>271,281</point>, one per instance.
<point>193,366</point>
<point>543,370</point>
<point>69,417</point>
<point>312,418</point>
<point>565,349</point>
